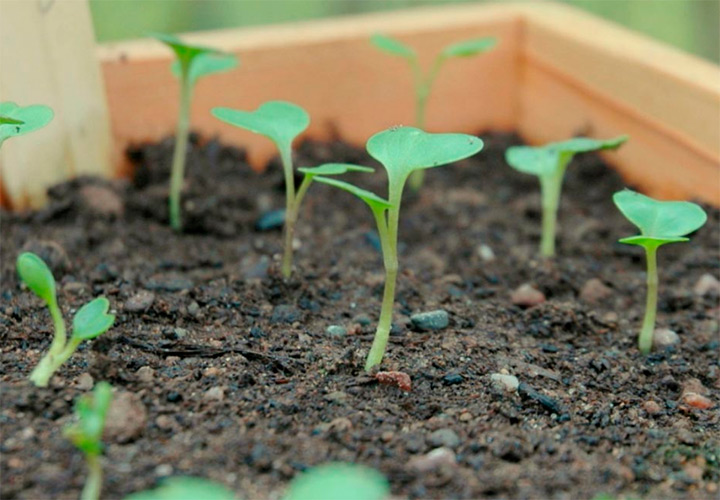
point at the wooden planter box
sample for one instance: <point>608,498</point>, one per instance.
<point>556,72</point>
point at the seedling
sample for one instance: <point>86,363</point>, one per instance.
<point>423,81</point>
<point>282,122</point>
<point>192,63</point>
<point>86,435</point>
<point>338,480</point>
<point>660,222</point>
<point>402,151</point>
<point>18,120</point>
<point>549,163</point>
<point>91,320</point>
<point>185,488</point>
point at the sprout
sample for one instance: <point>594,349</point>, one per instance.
<point>282,122</point>
<point>402,151</point>
<point>549,162</point>
<point>192,63</point>
<point>185,488</point>
<point>423,82</point>
<point>91,320</point>
<point>660,222</point>
<point>17,120</point>
<point>86,435</point>
<point>338,480</point>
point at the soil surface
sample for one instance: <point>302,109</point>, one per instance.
<point>223,370</point>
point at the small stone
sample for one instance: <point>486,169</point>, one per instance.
<point>165,422</point>
<point>697,401</point>
<point>362,319</point>
<point>508,383</point>
<point>145,374</point>
<point>548,403</point>
<point>163,470</point>
<point>594,291</point>
<point>662,337</point>
<point>100,200</point>
<point>431,320</point>
<point>193,309</point>
<point>527,296</point>
<point>180,333</point>
<point>126,418</point>
<point>400,380</point>
<point>387,436</point>
<point>444,437</point>
<point>216,393</point>
<point>285,314</point>
<point>436,459</point>
<point>651,407</point>
<point>272,219</point>
<point>336,331</point>
<point>486,253</point>
<point>414,443</point>
<point>453,379</point>
<point>139,302</point>
<point>85,382</point>
<point>707,285</point>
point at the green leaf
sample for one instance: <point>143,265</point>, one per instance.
<point>185,488</point>
<point>207,63</point>
<point>334,169</point>
<point>19,120</point>
<point>279,121</point>
<point>548,159</point>
<point>659,222</point>
<point>37,276</point>
<point>90,412</point>
<point>403,150</point>
<point>92,319</point>
<point>469,47</point>
<point>392,46</point>
<point>374,201</point>
<point>184,51</point>
<point>339,481</point>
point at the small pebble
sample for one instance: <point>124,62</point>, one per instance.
<point>101,200</point>
<point>85,382</point>
<point>651,407</point>
<point>486,253</point>
<point>141,301</point>
<point>509,383</point>
<point>453,379</point>
<point>397,379</point>
<point>336,331</point>
<point>437,458</point>
<point>216,393</point>
<point>444,437</point>
<point>662,337</point>
<point>697,401</point>
<point>163,470</point>
<point>165,422</point>
<point>707,285</point>
<point>272,219</point>
<point>145,374</point>
<point>550,404</point>
<point>180,333</point>
<point>431,320</point>
<point>594,291</point>
<point>527,296</point>
<point>126,417</point>
<point>362,319</point>
<point>193,309</point>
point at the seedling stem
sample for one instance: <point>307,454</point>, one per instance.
<point>177,174</point>
<point>648,327</point>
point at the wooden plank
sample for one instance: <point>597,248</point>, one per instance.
<point>580,73</point>
<point>48,54</point>
<point>350,89</point>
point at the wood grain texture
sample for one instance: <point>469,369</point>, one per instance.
<point>48,57</point>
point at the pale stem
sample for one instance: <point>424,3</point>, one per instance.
<point>52,361</point>
<point>93,483</point>
<point>41,374</point>
<point>550,187</point>
<point>177,174</point>
<point>290,207</point>
<point>648,327</point>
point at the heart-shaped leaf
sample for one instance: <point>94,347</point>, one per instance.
<point>659,222</point>
<point>279,121</point>
<point>469,47</point>
<point>392,46</point>
<point>375,202</point>
<point>207,63</point>
<point>185,488</point>
<point>92,319</point>
<point>402,150</point>
<point>334,169</point>
<point>90,410</point>
<point>19,120</point>
<point>548,159</point>
<point>335,481</point>
<point>37,276</point>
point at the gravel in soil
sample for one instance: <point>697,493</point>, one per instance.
<point>224,370</point>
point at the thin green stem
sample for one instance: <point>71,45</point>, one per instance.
<point>93,483</point>
<point>51,362</point>
<point>290,208</point>
<point>551,187</point>
<point>44,370</point>
<point>648,327</point>
<point>177,175</point>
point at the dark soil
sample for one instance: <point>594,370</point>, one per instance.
<point>227,372</point>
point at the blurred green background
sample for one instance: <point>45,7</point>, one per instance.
<point>692,25</point>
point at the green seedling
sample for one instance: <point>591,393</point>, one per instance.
<point>90,321</point>
<point>338,480</point>
<point>402,151</point>
<point>86,434</point>
<point>549,163</point>
<point>185,488</point>
<point>282,122</point>
<point>18,120</point>
<point>423,82</point>
<point>660,222</point>
<point>192,63</point>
